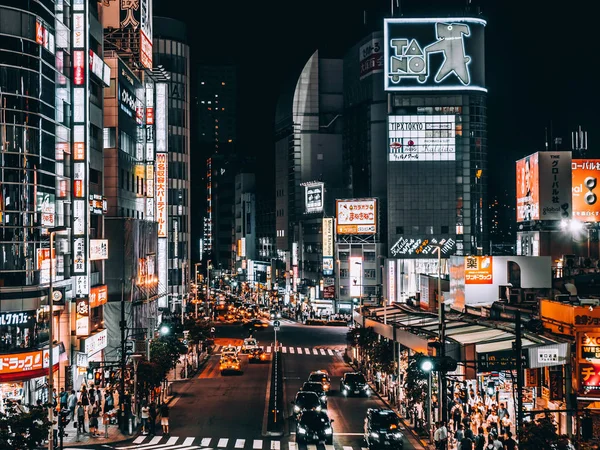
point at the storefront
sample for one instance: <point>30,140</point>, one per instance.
<point>88,360</point>
<point>23,375</point>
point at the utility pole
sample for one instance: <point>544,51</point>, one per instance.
<point>443,395</point>
<point>122,324</point>
<point>519,352</point>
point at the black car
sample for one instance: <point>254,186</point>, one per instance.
<point>314,426</point>
<point>317,388</point>
<point>354,383</point>
<point>382,429</point>
<point>306,401</point>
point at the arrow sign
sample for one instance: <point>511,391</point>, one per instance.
<point>276,323</point>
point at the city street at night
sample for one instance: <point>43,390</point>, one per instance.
<point>228,411</point>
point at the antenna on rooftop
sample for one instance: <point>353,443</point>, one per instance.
<point>579,141</point>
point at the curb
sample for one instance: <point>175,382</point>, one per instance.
<point>415,436</point>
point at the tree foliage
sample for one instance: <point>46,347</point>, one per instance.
<point>380,352</point>
<point>198,330</point>
<point>165,352</point>
<point>23,430</point>
<point>542,433</point>
<point>415,381</point>
<point>150,376</point>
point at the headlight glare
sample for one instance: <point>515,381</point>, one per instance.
<point>301,430</point>
<point>374,435</point>
<point>296,408</point>
<point>397,435</point>
<point>318,408</point>
<point>328,430</point>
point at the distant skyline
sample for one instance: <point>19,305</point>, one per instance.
<point>538,64</point>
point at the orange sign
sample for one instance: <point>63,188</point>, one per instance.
<point>528,195</point>
<point>43,254</point>
<point>586,205</point>
<point>26,365</point>
<point>478,270</point>
<point>98,296</point>
<point>79,151</point>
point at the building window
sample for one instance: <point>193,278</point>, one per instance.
<point>344,256</point>
<point>344,273</point>
<point>445,229</point>
<point>370,274</point>
<point>399,230</point>
<point>369,256</point>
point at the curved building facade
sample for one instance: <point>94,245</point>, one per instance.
<point>171,52</point>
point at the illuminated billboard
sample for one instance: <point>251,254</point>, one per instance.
<point>313,197</point>
<point>370,58</point>
<point>422,138</point>
<point>434,54</point>
<point>422,247</point>
<point>544,186</point>
<point>585,173</point>
<point>356,216</point>
<point>327,246</point>
<point>356,264</point>
<point>161,194</point>
<point>478,270</point>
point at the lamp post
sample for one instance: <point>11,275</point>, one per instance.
<point>52,232</point>
<point>442,335</point>
<point>197,290</point>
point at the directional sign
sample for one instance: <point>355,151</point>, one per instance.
<point>276,323</point>
<point>276,328</point>
<point>212,329</point>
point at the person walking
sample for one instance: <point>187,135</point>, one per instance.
<point>63,397</point>
<point>94,421</point>
<point>80,418</point>
<point>152,418</point>
<point>145,418</point>
<point>164,418</point>
<point>109,401</point>
<point>72,404</point>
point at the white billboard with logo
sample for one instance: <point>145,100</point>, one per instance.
<point>422,138</point>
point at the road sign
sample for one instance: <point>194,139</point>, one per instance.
<point>212,329</point>
<point>276,323</point>
<point>129,345</point>
<point>277,328</point>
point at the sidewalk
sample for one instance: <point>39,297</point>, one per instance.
<point>112,431</point>
<point>417,441</point>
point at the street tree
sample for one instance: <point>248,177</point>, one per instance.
<point>542,433</point>
<point>165,353</point>
<point>23,430</point>
<point>198,330</point>
<point>382,357</point>
<point>415,381</point>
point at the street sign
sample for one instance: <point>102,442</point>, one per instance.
<point>276,323</point>
<point>277,328</point>
<point>129,345</point>
<point>212,329</point>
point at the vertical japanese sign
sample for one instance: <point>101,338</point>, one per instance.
<point>555,185</point>
<point>391,281</point>
<point>161,186</point>
<point>150,158</point>
<point>80,160</point>
<point>327,246</point>
<point>161,194</point>
<point>586,173</point>
<point>82,317</point>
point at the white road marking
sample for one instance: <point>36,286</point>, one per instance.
<point>345,447</point>
<point>269,349</point>
<point>155,440</point>
<point>223,442</point>
<point>172,440</point>
<point>315,351</point>
<point>329,351</point>
<point>293,446</point>
<point>275,445</point>
<point>311,447</point>
<point>239,443</point>
<point>329,447</point>
<point>205,442</point>
<point>299,350</point>
<point>188,441</point>
<point>307,351</point>
<point>283,349</point>
<point>322,351</point>
<point>257,444</point>
<point>291,349</point>
<point>139,439</point>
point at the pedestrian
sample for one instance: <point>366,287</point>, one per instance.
<point>145,418</point>
<point>80,418</point>
<point>164,418</point>
<point>480,439</point>
<point>466,444</point>
<point>109,401</point>
<point>54,398</point>
<point>152,418</point>
<point>83,396</point>
<point>440,437</point>
<point>94,422</point>
<point>509,442</point>
<point>72,404</point>
<point>63,397</point>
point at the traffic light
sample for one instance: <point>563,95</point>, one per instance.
<point>438,364</point>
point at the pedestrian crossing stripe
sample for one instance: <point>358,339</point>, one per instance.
<point>146,442</point>
<point>293,350</point>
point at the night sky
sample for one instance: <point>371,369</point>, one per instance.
<point>539,63</point>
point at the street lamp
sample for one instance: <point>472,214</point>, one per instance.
<point>52,232</point>
<point>197,291</point>
<point>442,336</point>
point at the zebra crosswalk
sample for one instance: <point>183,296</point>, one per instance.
<point>192,443</point>
<point>313,351</point>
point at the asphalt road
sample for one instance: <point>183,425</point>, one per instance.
<point>213,411</point>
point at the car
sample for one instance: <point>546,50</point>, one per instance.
<point>306,401</point>
<point>317,388</point>
<point>314,426</point>
<point>257,355</point>
<point>354,383</point>
<point>382,429</point>
<point>256,324</point>
<point>275,314</point>
<point>229,365</point>
<point>249,345</point>
<point>321,376</point>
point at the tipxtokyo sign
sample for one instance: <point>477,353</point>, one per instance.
<point>434,54</point>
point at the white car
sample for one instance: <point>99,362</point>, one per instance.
<point>250,344</point>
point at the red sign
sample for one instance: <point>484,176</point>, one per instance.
<point>149,116</point>
<point>98,296</point>
<point>39,33</point>
<point>78,188</point>
<point>478,270</point>
<point>78,67</point>
<point>145,51</point>
<point>589,378</point>
<point>27,365</point>
<point>79,151</point>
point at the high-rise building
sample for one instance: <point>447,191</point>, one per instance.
<point>434,76</point>
<point>308,149</point>
<point>172,54</point>
<point>244,229</point>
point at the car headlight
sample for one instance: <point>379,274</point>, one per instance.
<point>365,387</point>
<point>301,430</point>
<point>368,392</point>
<point>374,435</point>
<point>347,387</point>
<point>318,408</point>
<point>328,430</point>
<point>296,408</point>
<point>323,398</point>
<point>398,435</point>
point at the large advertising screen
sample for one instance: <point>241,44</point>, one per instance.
<point>585,173</point>
<point>313,197</point>
<point>356,216</point>
<point>422,138</point>
<point>416,247</point>
<point>434,54</point>
<point>478,270</point>
<point>544,186</point>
